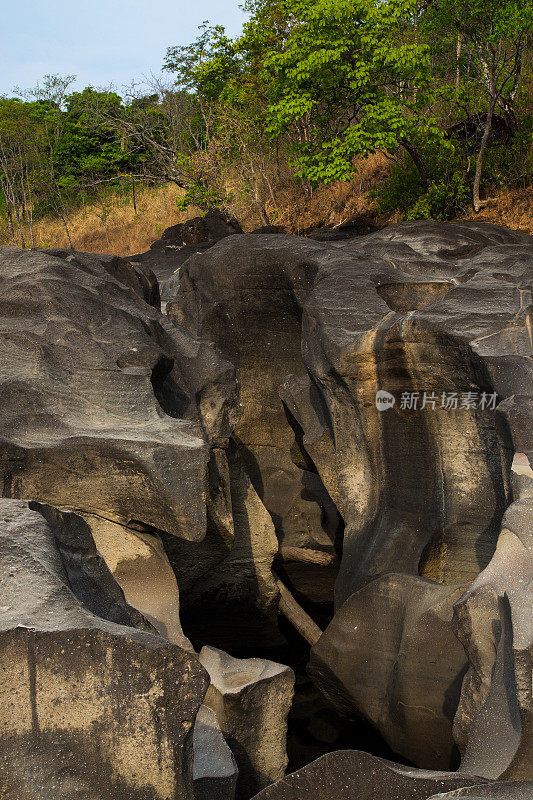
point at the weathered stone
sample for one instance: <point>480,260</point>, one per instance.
<point>391,654</point>
<point>251,699</point>
<point>491,791</point>
<point>180,241</point>
<point>315,330</point>
<point>494,722</point>
<point>212,227</point>
<point>215,769</point>
<point>229,593</point>
<point>353,775</point>
<point>131,418</point>
<point>141,568</point>
<point>265,346</point>
<point>84,358</point>
<point>94,703</point>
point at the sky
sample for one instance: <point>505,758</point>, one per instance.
<point>102,42</point>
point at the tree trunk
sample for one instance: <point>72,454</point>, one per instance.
<point>63,220</point>
<point>296,615</point>
<point>10,222</point>
<point>479,162</point>
<point>510,118</point>
<point>263,216</point>
<point>417,160</point>
<point>133,193</point>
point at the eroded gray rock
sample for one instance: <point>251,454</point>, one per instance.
<point>391,653</point>
<point>91,403</point>
<point>315,330</point>
<point>352,774</point>
<point>141,568</point>
<point>251,699</point>
<point>215,769</point>
<point>494,722</point>
<point>95,704</point>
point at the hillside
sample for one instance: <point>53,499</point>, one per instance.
<point>126,230</point>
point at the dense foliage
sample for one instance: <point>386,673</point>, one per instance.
<point>441,88</point>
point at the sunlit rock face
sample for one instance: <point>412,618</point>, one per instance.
<point>494,722</point>
<point>95,703</point>
<point>440,318</point>
<point>87,376</point>
<point>251,698</point>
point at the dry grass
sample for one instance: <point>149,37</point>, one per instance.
<point>125,232</point>
<point>299,210</point>
<point>513,208</point>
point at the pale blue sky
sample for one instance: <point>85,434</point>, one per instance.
<point>102,41</point>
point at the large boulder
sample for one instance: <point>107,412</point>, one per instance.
<point>390,653</point>
<point>180,241</point>
<point>95,704</point>
<point>95,387</point>
<point>494,722</point>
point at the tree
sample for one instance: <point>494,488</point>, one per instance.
<point>494,36</point>
<point>353,78</point>
<point>21,153</point>
<point>159,130</point>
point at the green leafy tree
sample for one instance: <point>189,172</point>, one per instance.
<point>493,35</point>
<point>353,78</point>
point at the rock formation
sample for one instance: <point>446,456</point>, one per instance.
<point>352,774</point>
<point>179,242</point>
<point>93,400</point>
<point>337,430</point>
<point>215,769</point>
<point>141,568</point>
<point>439,317</point>
<point>494,722</point>
<point>94,703</point>
<point>251,699</point>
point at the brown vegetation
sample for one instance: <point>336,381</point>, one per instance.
<point>120,230</point>
<point>513,208</point>
<point>125,231</point>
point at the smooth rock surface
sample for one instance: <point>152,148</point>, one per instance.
<point>141,568</point>
<point>90,400</point>
<point>391,653</point>
<point>353,775</point>
<point>95,704</point>
<point>215,769</point>
<point>251,699</point>
<point>437,312</point>
<point>494,621</point>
